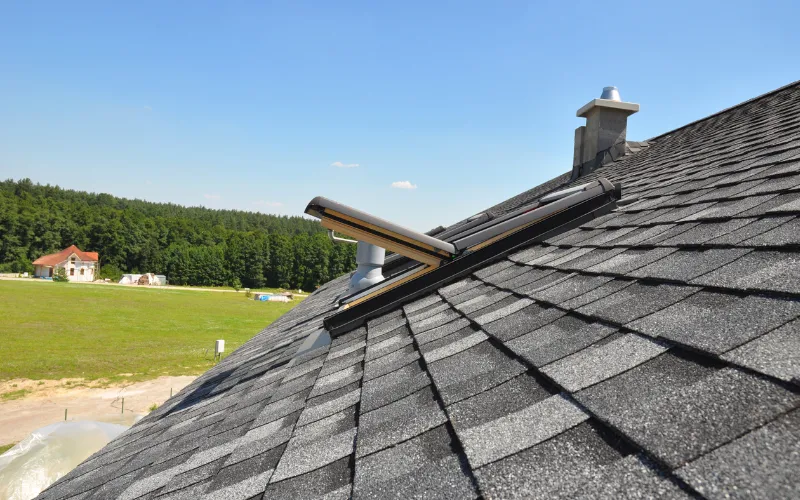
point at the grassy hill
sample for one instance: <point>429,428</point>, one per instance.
<point>64,330</point>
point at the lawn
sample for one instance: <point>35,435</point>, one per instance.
<point>64,330</point>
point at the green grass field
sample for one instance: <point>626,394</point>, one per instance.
<point>63,330</point>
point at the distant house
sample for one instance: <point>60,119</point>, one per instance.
<point>79,265</point>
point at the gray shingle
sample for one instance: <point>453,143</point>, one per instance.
<point>724,209</point>
<point>522,321</point>
<point>706,411</point>
<point>777,353</point>
<point>517,431</point>
<point>532,253</point>
<point>298,460</point>
<point>386,327</point>
<point>316,484</point>
<point>717,322</point>
<point>434,321</point>
<point>336,380</point>
<point>508,397</point>
<point>685,265</point>
<point>488,317</point>
<point>541,283</point>
<point>393,386</point>
<point>241,471</point>
<point>641,236</point>
<point>635,301</point>
<point>242,490</point>
<point>558,339</point>
<point>459,287</point>
<point>379,428</point>
<point>600,362</point>
<point>427,312</point>
<point>785,234</point>
<point>785,204</point>
<point>598,293</point>
<point>472,371</point>
<point>454,347</point>
<point>630,260</point>
<point>488,295</point>
<point>507,275</point>
<point>316,412</point>
<point>632,476</point>
<point>531,277</point>
<point>761,464</point>
<point>422,467</point>
<point>390,362</point>
<point>387,344</point>
<point>774,204</point>
<point>442,331</point>
<point>759,270</point>
<point>573,286</point>
<point>589,259</point>
<point>556,468</point>
<point>748,231</point>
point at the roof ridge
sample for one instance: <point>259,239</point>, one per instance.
<point>726,110</point>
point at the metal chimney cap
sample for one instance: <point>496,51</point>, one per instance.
<point>610,93</point>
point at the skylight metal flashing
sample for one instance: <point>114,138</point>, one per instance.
<point>444,261</point>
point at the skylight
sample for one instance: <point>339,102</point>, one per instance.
<point>474,246</point>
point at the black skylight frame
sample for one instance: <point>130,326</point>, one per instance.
<point>572,216</point>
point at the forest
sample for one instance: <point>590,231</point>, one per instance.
<point>190,245</point>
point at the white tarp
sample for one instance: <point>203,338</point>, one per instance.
<point>49,453</point>
<point>129,279</point>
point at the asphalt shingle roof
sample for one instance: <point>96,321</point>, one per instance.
<point>651,352</point>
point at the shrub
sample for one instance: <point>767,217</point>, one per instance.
<point>236,284</point>
<point>154,407</point>
<point>111,272</point>
<point>60,275</point>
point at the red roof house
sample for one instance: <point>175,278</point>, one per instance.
<point>79,265</point>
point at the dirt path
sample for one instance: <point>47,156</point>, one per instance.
<point>46,402</point>
<point>165,287</point>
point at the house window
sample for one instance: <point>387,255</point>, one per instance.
<point>72,272</point>
<point>82,270</point>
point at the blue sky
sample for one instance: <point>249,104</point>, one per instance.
<point>252,105</point>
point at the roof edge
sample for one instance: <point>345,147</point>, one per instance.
<point>731,108</point>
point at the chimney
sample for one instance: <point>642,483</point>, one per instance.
<point>606,123</point>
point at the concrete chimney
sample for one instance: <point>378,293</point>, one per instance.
<point>606,124</point>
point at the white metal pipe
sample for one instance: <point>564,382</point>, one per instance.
<point>370,259</point>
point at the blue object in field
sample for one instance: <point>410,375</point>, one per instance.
<point>263,298</point>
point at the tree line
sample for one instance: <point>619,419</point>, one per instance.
<point>190,245</point>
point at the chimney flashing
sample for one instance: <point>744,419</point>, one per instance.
<point>628,108</point>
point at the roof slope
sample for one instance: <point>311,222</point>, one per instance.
<point>652,352</point>
<point>59,257</point>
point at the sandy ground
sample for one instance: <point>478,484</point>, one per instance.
<point>46,402</point>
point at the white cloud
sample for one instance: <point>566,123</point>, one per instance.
<point>403,185</point>
<point>212,196</point>
<point>148,108</point>
<point>266,203</point>
<point>344,165</point>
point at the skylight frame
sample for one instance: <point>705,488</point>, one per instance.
<point>562,215</point>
